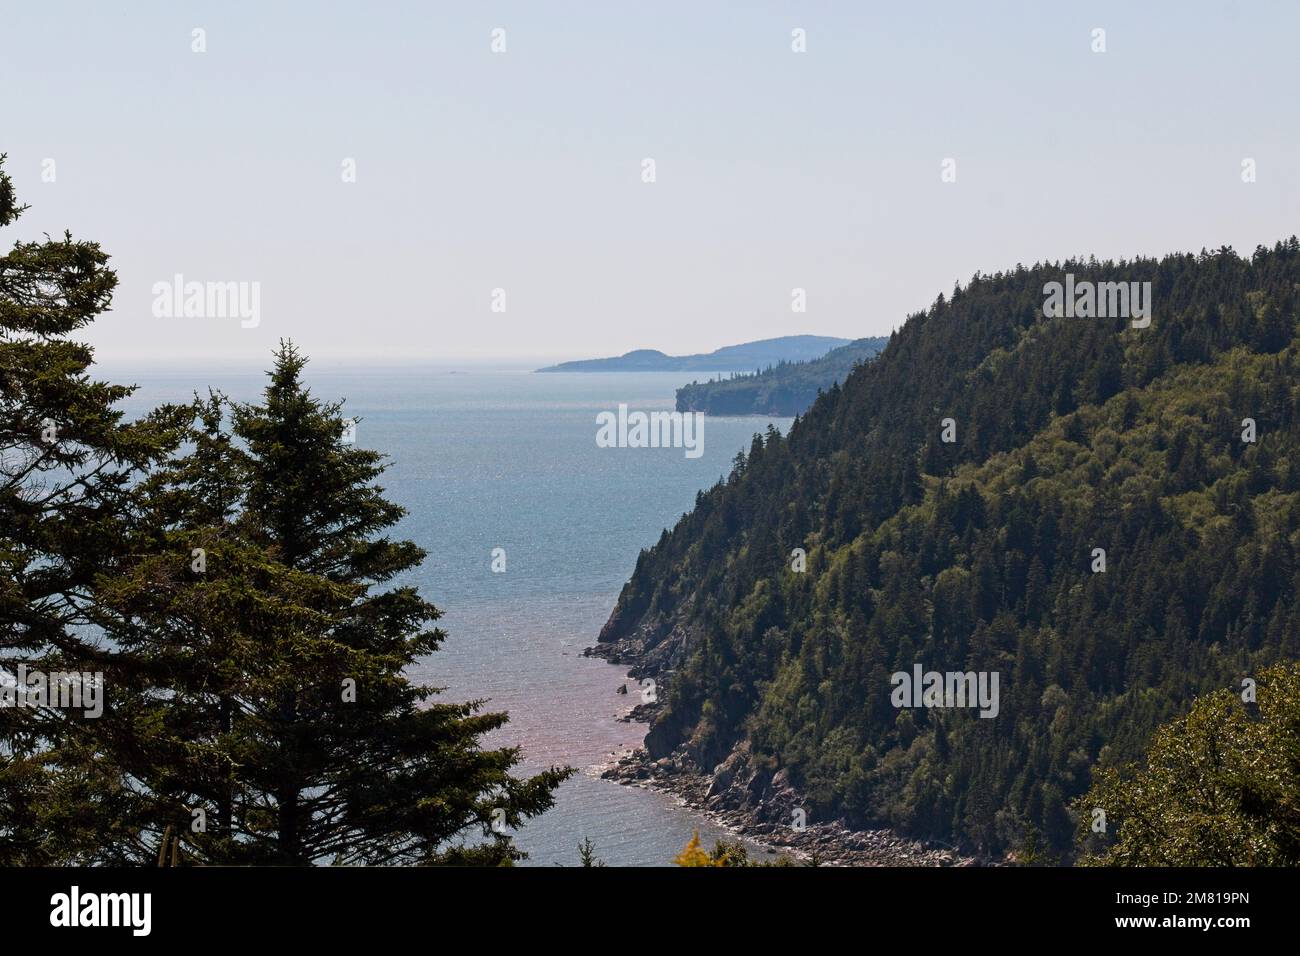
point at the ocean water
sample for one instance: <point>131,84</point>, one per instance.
<point>487,458</point>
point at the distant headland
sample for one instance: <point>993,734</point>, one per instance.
<point>749,357</point>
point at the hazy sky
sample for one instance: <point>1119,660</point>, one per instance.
<point>522,170</point>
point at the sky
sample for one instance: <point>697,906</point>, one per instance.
<point>500,206</point>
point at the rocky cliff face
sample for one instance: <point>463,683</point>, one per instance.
<point>743,791</point>
<point>746,794</point>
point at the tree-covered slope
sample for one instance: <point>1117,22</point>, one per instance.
<point>785,389</point>
<point>1072,435</point>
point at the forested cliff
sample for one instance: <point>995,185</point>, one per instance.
<point>788,388</point>
<point>981,553</point>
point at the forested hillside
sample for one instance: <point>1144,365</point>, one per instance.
<point>1072,435</point>
<point>788,388</point>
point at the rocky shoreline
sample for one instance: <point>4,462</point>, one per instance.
<point>763,808</point>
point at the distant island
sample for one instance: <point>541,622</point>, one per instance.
<point>749,357</point>
<point>787,389</point>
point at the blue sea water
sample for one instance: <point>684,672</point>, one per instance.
<point>485,458</point>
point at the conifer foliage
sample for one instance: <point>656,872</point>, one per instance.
<point>229,569</point>
<point>69,466</point>
<point>1104,515</point>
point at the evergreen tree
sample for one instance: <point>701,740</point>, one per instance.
<point>69,470</point>
<point>292,727</point>
<point>237,599</point>
<point>214,626</point>
<point>587,854</point>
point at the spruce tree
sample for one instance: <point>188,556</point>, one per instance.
<point>291,731</point>
<point>394,775</point>
<point>69,470</point>
<point>235,597</point>
<point>210,622</point>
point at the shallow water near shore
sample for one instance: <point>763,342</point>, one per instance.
<point>488,458</point>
